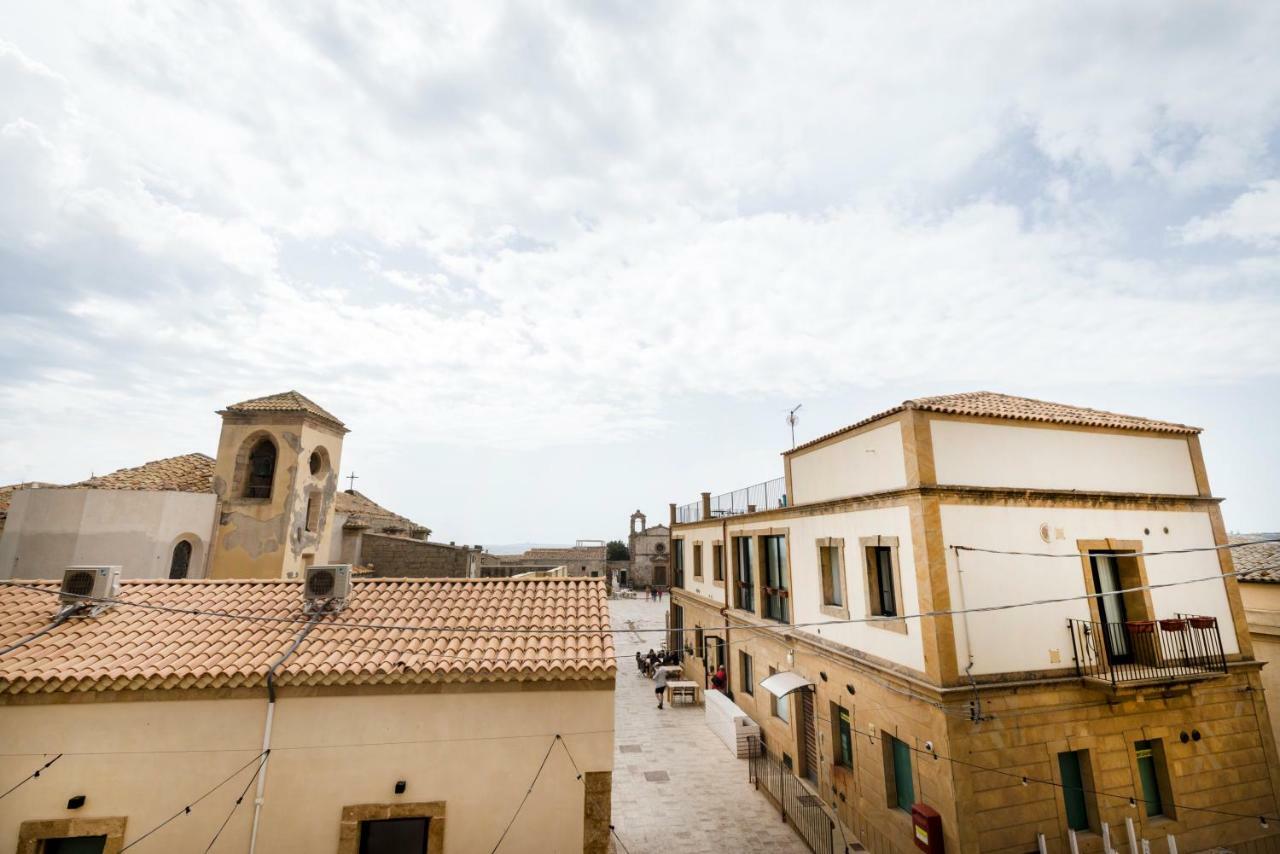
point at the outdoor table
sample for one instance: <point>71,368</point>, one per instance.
<point>682,688</point>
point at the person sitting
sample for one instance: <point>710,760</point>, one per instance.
<point>718,679</point>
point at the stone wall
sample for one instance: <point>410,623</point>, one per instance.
<point>404,557</point>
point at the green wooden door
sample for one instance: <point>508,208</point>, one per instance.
<point>1147,776</point>
<point>1073,790</point>
<point>902,775</point>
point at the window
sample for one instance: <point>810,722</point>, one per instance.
<point>1152,775</point>
<point>902,793</point>
<point>842,737</point>
<point>262,469</point>
<point>773,550</point>
<point>746,679</point>
<point>1071,766</point>
<point>884,582</point>
<point>717,562</point>
<point>746,595</point>
<point>316,461</point>
<point>75,845</point>
<point>780,707</point>
<point>831,569</point>
<point>699,642</point>
<point>676,638</point>
<point>313,511</point>
<point>394,836</point>
<point>181,560</point>
<point>697,560</point>
<point>677,557</point>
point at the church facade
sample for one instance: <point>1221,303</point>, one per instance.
<point>650,555</point>
<point>267,506</point>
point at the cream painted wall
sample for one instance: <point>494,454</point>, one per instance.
<point>806,589</point>
<point>967,453</point>
<point>51,529</point>
<point>1021,639</point>
<point>477,752</point>
<point>873,461</point>
<point>1262,610</point>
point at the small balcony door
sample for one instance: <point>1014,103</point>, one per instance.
<point>808,736</point>
<point>1111,607</point>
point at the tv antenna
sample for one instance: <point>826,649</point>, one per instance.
<point>792,419</point>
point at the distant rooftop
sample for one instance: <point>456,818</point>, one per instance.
<point>186,473</point>
<point>1261,561</point>
<point>989,404</point>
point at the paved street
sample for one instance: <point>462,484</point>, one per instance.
<point>676,788</point>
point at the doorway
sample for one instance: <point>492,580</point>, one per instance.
<point>1111,606</point>
<point>808,736</point>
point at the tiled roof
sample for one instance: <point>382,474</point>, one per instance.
<point>287,401</point>
<point>546,555</point>
<point>361,509</point>
<point>131,648</point>
<point>990,404</point>
<point>187,473</point>
<point>1263,556</point>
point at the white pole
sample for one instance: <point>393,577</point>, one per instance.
<point>1133,834</point>
<point>1106,838</point>
<point>1171,843</point>
<point>1040,844</point>
<point>1075,844</point>
<point>1146,846</point>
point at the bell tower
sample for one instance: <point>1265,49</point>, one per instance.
<point>275,478</point>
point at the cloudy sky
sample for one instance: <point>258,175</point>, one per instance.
<point>552,263</point>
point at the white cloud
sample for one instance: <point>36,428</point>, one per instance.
<point>1254,218</point>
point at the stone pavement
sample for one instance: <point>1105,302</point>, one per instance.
<point>676,788</point>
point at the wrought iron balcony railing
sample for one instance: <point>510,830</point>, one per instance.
<point>768,495</point>
<point>1172,650</point>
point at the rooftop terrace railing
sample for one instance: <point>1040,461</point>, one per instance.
<point>768,495</point>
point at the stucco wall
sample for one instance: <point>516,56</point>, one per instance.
<point>1262,609</point>
<point>803,533</point>
<point>978,454</point>
<point>873,461</point>
<point>477,752</point>
<point>51,529</point>
<point>1021,639</point>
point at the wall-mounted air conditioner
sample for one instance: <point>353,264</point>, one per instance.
<point>327,586</point>
<point>86,585</point>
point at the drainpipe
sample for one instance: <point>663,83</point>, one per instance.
<point>271,711</point>
<point>968,640</point>
<point>724,576</point>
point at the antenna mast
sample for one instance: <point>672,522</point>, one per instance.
<point>792,419</point>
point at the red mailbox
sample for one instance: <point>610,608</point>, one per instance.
<point>926,826</point>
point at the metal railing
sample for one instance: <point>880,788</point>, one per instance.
<point>798,804</point>
<point>1184,647</point>
<point>768,495</point>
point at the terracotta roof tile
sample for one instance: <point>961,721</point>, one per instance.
<point>132,648</point>
<point>285,401</point>
<point>1263,557</point>
<point>990,404</point>
<point>361,509</point>
<point>187,473</point>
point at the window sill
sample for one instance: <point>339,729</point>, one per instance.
<point>888,624</point>
<point>834,611</point>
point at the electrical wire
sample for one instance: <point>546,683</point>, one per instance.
<point>34,774</point>
<point>597,632</point>
<point>523,800</point>
<point>57,621</point>
<point>187,809</point>
<point>614,831</point>
<point>1125,554</point>
<point>235,806</point>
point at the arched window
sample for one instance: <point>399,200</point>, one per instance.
<point>181,561</point>
<point>262,469</point>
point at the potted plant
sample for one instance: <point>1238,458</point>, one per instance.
<point>1175,624</point>
<point>1141,627</point>
<point>1202,622</point>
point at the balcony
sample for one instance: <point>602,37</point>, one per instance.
<point>761,496</point>
<point>1185,648</point>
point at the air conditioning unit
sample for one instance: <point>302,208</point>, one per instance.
<point>82,585</point>
<point>327,586</point>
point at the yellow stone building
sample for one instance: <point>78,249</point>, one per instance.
<point>1019,726</point>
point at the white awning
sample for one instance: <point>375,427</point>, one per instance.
<point>782,684</point>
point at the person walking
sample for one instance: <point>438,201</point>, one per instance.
<point>660,685</point>
<point>718,679</point>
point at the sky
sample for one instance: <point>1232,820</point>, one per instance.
<point>552,263</point>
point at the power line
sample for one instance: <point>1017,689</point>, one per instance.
<point>187,809</point>
<point>34,774</point>
<point>62,617</point>
<point>533,783</point>
<point>550,632</point>
<point>1122,554</point>
<point>234,806</point>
